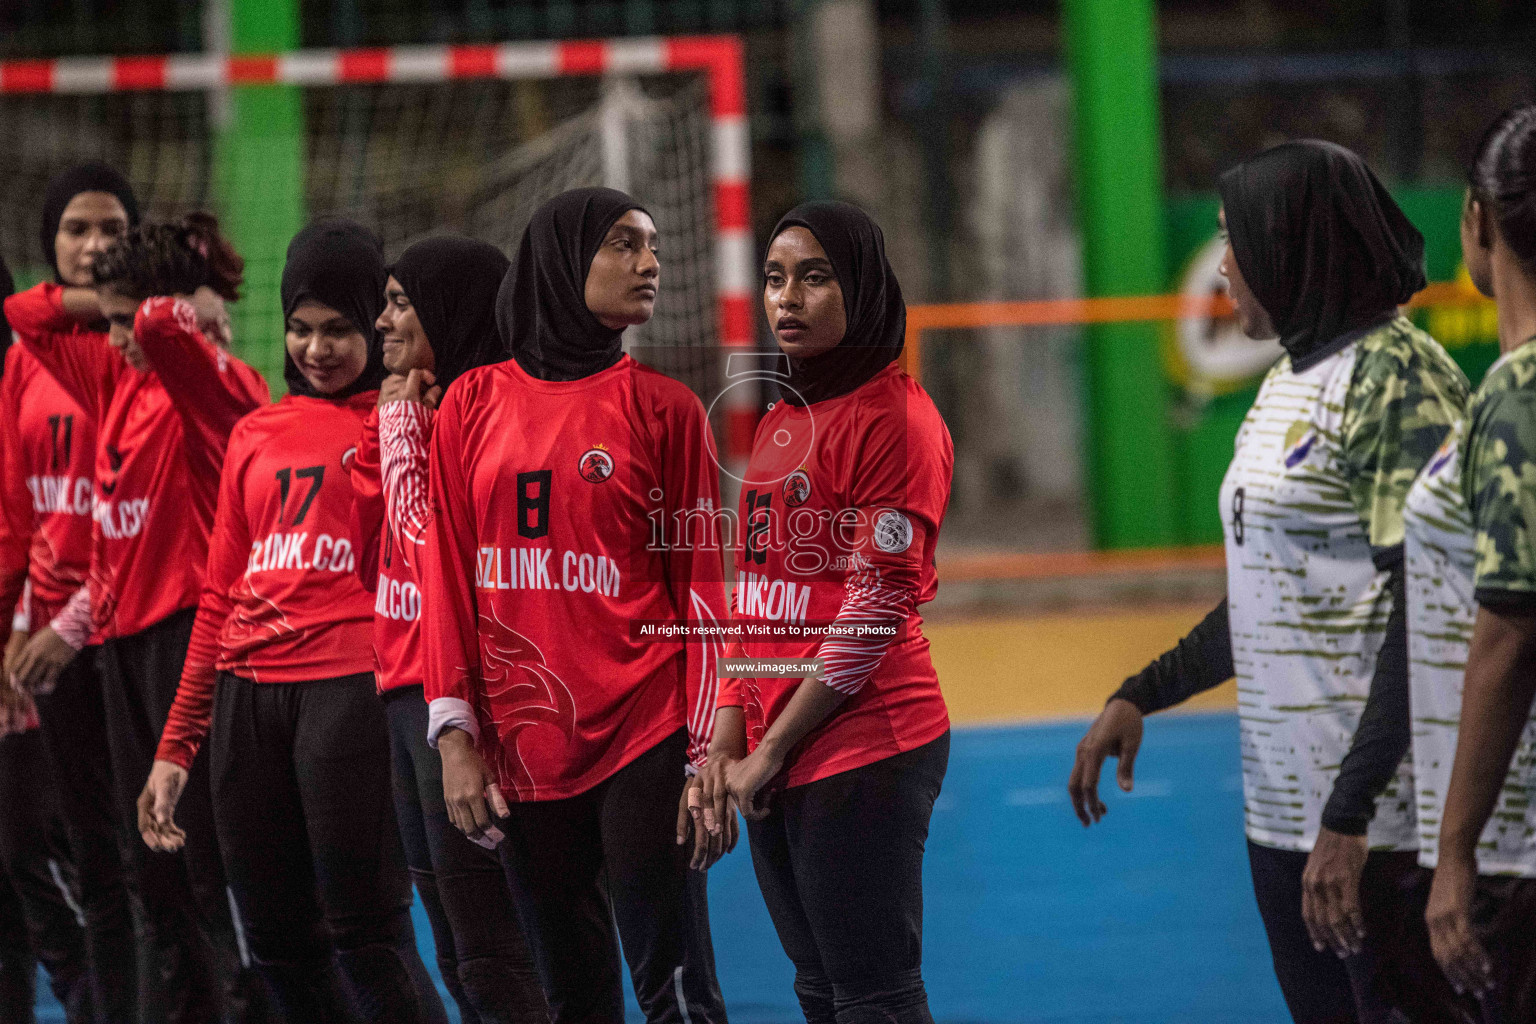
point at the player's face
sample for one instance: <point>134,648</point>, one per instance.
<point>327,349</point>
<point>621,283</point>
<point>1477,244</point>
<point>405,344</point>
<point>119,309</point>
<point>91,222</point>
<point>1252,319</point>
<point>801,295</point>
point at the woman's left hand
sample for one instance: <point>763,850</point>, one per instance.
<point>212,316</point>
<point>1330,892</point>
<point>748,778</point>
<point>416,386</point>
<point>157,807</point>
<point>1452,938</point>
<point>46,656</point>
<point>707,807</point>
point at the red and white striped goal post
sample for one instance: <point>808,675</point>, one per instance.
<point>719,58</point>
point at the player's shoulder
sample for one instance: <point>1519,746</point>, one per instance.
<point>1505,402</point>
<point>1513,374</point>
<point>467,393</point>
<point>894,402</point>
<point>1400,353</point>
<point>260,421</point>
<point>471,386</point>
<point>255,429</point>
<point>663,393</point>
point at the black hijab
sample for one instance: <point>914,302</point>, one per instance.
<point>91,177</point>
<point>877,316</point>
<point>542,306</point>
<point>452,284</point>
<point>339,263</point>
<point>7,288</point>
<point>1321,243</point>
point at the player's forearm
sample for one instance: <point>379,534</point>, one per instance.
<point>199,378</point>
<point>865,627</point>
<point>192,710</point>
<point>73,622</point>
<point>730,738</point>
<point>1384,732</point>
<point>813,703</point>
<point>81,304</point>
<point>1496,705</point>
<point>1199,662</point>
<point>405,430</point>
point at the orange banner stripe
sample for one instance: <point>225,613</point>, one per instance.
<point>1054,564</point>
<point>1115,309</point>
<point>1128,308</point>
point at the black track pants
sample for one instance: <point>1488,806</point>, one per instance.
<point>1393,975</point>
<point>1504,917</point>
<point>196,974</point>
<point>481,950</point>
<point>74,730</point>
<point>840,864</point>
<point>40,884</point>
<point>566,858</point>
<point>301,791</point>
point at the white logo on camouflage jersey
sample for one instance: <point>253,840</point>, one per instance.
<point>1298,443</point>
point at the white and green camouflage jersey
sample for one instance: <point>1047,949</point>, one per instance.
<point>1322,467</point>
<point>1471,529</point>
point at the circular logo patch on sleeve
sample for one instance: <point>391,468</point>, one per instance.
<point>893,532</point>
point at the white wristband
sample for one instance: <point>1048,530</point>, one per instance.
<point>450,713</point>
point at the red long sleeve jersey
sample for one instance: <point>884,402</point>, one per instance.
<point>47,451</point>
<point>160,436</point>
<point>389,521</point>
<point>541,574</point>
<point>842,511</point>
<point>282,602</point>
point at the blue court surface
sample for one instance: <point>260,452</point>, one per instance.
<point>1148,918</point>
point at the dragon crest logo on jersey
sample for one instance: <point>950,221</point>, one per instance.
<point>893,532</point>
<point>1298,443</point>
<point>797,488</point>
<point>595,464</point>
<point>525,692</point>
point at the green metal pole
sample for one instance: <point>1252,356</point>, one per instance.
<point>259,172</point>
<point>1112,57</point>
<point>817,164</point>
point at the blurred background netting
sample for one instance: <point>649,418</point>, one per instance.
<point>471,157</point>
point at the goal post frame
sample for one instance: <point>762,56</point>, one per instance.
<point>720,58</point>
